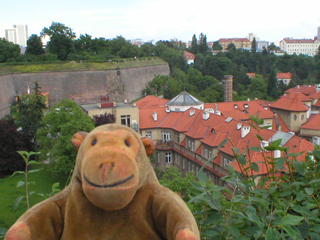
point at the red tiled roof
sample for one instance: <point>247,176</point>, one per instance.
<point>305,89</point>
<point>189,55</point>
<point>292,103</point>
<point>146,118</point>
<point>313,123</point>
<point>151,101</point>
<point>302,96</point>
<point>315,95</point>
<point>288,40</point>
<point>295,144</point>
<point>237,110</point>
<point>234,39</point>
<point>251,75</point>
<point>287,75</point>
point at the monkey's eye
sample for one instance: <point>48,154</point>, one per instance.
<point>127,143</point>
<point>94,141</point>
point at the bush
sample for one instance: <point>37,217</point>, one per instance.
<point>11,141</point>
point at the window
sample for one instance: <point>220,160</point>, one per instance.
<point>295,117</point>
<point>302,117</point>
<point>189,166</point>
<point>226,161</point>
<point>125,120</point>
<point>149,135</point>
<point>166,136</point>
<point>183,163</point>
<point>210,154</point>
<point>168,158</point>
<point>158,157</point>
<point>205,152</point>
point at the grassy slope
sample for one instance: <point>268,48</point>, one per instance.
<point>78,66</point>
<point>9,192</point>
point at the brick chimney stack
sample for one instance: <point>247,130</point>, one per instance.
<point>228,79</point>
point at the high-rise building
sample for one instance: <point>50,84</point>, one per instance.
<point>18,35</point>
<point>318,33</point>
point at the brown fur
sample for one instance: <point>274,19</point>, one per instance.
<point>113,194</point>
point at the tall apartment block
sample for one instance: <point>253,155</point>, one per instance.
<point>18,35</point>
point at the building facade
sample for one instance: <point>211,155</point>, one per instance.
<point>307,47</point>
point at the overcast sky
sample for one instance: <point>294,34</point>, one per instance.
<point>156,20</point>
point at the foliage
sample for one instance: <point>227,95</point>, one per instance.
<point>26,157</point>
<point>8,50</point>
<point>34,45</point>
<point>61,39</point>
<point>29,112</point>
<point>254,45</point>
<point>12,140</point>
<point>281,205</point>
<point>183,185</point>
<point>57,129</point>
<point>103,119</point>
<point>9,192</point>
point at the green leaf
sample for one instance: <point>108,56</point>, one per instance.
<point>242,160</point>
<point>254,166</point>
<point>255,219</point>
<point>280,162</point>
<point>271,234</point>
<point>234,231</point>
<point>34,170</point>
<point>314,236</point>
<point>202,177</point>
<point>251,210</point>
<point>290,231</point>
<point>309,191</point>
<point>17,202</point>
<point>304,229</point>
<point>211,233</point>
<point>33,162</point>
<point>236,150</point>
<point>21,183</point>
<point>224,142</point>
<point>32,192</point>
<point>290,220</point>
<point>259,137</point>
<point>255,149</point>
<point>17,172</point>
<point>314,181</point>
<point>231,169</point>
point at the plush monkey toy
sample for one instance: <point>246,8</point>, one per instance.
<point>114,194</point>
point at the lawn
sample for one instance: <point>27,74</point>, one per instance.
<point>9,192</point>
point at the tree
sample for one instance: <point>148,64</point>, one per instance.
<point>194,45</point>
<point>12,140</point>
<point>57,128</point>
<point>61,39</point>
<point>34,45</point>
<point>8,50</point>
<point>217,46</point>
<point>254,45</point>
<point>203,47</point>
<point>272,84</point>
<point>231,47</point>
<point>103,119</point>
<point>29,112</point>
<point>257,88</point>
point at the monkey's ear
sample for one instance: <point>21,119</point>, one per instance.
<point>148,145</point>
<point>78,138</point>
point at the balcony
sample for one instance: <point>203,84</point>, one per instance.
<point>164,145</point>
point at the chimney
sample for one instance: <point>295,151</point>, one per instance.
<point>245,130</point>
<point>228,79</point>
<point>155,116</point>
<point>277,154</point>
<point>264,144</point>
<point>206,115</point>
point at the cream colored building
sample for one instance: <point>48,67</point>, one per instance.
<point>300,46</point>
<point>125,114</point>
